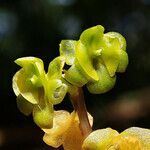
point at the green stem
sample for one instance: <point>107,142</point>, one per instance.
<point>78,102</point>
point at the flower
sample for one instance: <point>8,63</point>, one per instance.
<point>28,80</point>
<point>37,91</point>
<point>132,138</point>
<point>66,131</point>
<point>94,59</point>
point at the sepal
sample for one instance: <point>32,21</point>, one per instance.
<point>91,37</point>
<point>67,50</point>
<point>85,61</point>
<point>111,55</point>
<point>22,86</point>
<point>24,106</point>
<point>55,68</point>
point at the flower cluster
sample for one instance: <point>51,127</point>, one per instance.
<point>93,60</point>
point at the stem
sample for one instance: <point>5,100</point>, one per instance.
<point>80,107</point>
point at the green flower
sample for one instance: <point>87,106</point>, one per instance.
<point>29,78</point>
<point>37,91</point>
<point>94,59</point>
<point>55,88</point>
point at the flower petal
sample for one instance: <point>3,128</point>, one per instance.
<point>99,139</point>
<point>105,82</point>
<point>85,61</point>
<point>111,55</point>
<point>76,76</point>
<point>61,122</point>
<point>73,138</point>
<point>24,106</point>
<point>140,135</point>
<point>55,90</point>
<point>21,86</point>
<point>31,65</point>
<point>55,68</point>
<point>67,49</point>
<point>123,63</point>
<point>121,39</point>
<point>91,38</point>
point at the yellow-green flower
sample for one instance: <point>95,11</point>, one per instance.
<point>28,80</point>
<point>37,91</point>
<point>133,138</point>
<point>94,59</point>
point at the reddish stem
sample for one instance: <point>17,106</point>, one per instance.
<point>80,107</point>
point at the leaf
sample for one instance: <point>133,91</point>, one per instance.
<point>67,50</point>
<point>24,106</point>
<point>105,82</point>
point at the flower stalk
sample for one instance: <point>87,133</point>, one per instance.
<point>78,102</point>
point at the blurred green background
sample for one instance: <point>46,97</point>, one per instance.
<point>36,27</point>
